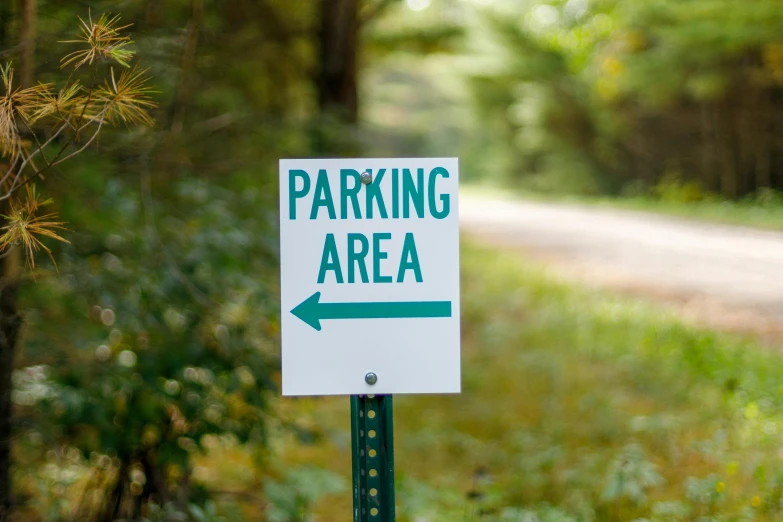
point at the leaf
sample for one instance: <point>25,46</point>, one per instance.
<point>197,513</point>
<point>27,104</point>
<point>127,99</point>
<point>103,40</point>
<point>25,228</point>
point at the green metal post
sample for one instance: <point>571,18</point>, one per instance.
<point>372,448</point>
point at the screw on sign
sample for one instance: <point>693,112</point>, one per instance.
<point>369,252</point>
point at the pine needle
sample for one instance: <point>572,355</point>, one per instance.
<point>26,229</point>
<point>127,98</point>
<point>103,40</point>
<point>27,103</point>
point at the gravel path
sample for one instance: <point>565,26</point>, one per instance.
<point>729,276</point>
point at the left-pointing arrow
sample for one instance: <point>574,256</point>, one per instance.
<point>312,311</point>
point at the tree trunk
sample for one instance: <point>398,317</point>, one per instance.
<point>727,145</point>
<point>5,24</point>
<point>764,143</point>
<point>113,504</point>
<point>708,166</point>
<point>188,62</point>
<point>336,80</point>
<point>6,355</point>
<point>27,35</point>
<point>10,319</point>
<point>776,143</point>
<point>9,328</point>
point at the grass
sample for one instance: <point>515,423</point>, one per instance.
<point>756,213</point>
<point>577,405</point>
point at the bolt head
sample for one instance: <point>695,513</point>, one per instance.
<point>371,378</point>
<point>366,178</point>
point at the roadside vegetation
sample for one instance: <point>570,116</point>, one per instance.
<point>577,405</point>
<point>762,210</point>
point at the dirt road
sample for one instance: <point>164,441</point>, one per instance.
<point>727,276</point>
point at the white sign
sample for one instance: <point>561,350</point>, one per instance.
<point>369,269</point>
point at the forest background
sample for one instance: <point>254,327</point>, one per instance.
<point>147,363</point>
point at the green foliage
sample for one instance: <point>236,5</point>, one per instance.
<point>580,405</point>
<point>672,189</point>
<point>439,38</point>
<point>208,513</point>
<point>763,209</point>
<point>292,499</point>
<point>167,336</point>
<point>635,89</point>
<point>159,335</point>
<point>33,117</point>
<point>545,514</point>
<point>630,476</point>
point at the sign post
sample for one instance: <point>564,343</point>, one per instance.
<point>372,452</point>
<point>369,276</point>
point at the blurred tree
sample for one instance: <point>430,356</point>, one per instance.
<point>162,336</point>
<point>337,67</point>
<point>40,128</point>
<point>339,39</point>
<point>27,33</point>
<point>157,338</point>
<point>9,265</point>
<point>635,93</point>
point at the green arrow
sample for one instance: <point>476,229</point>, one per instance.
<point>311,311</point>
